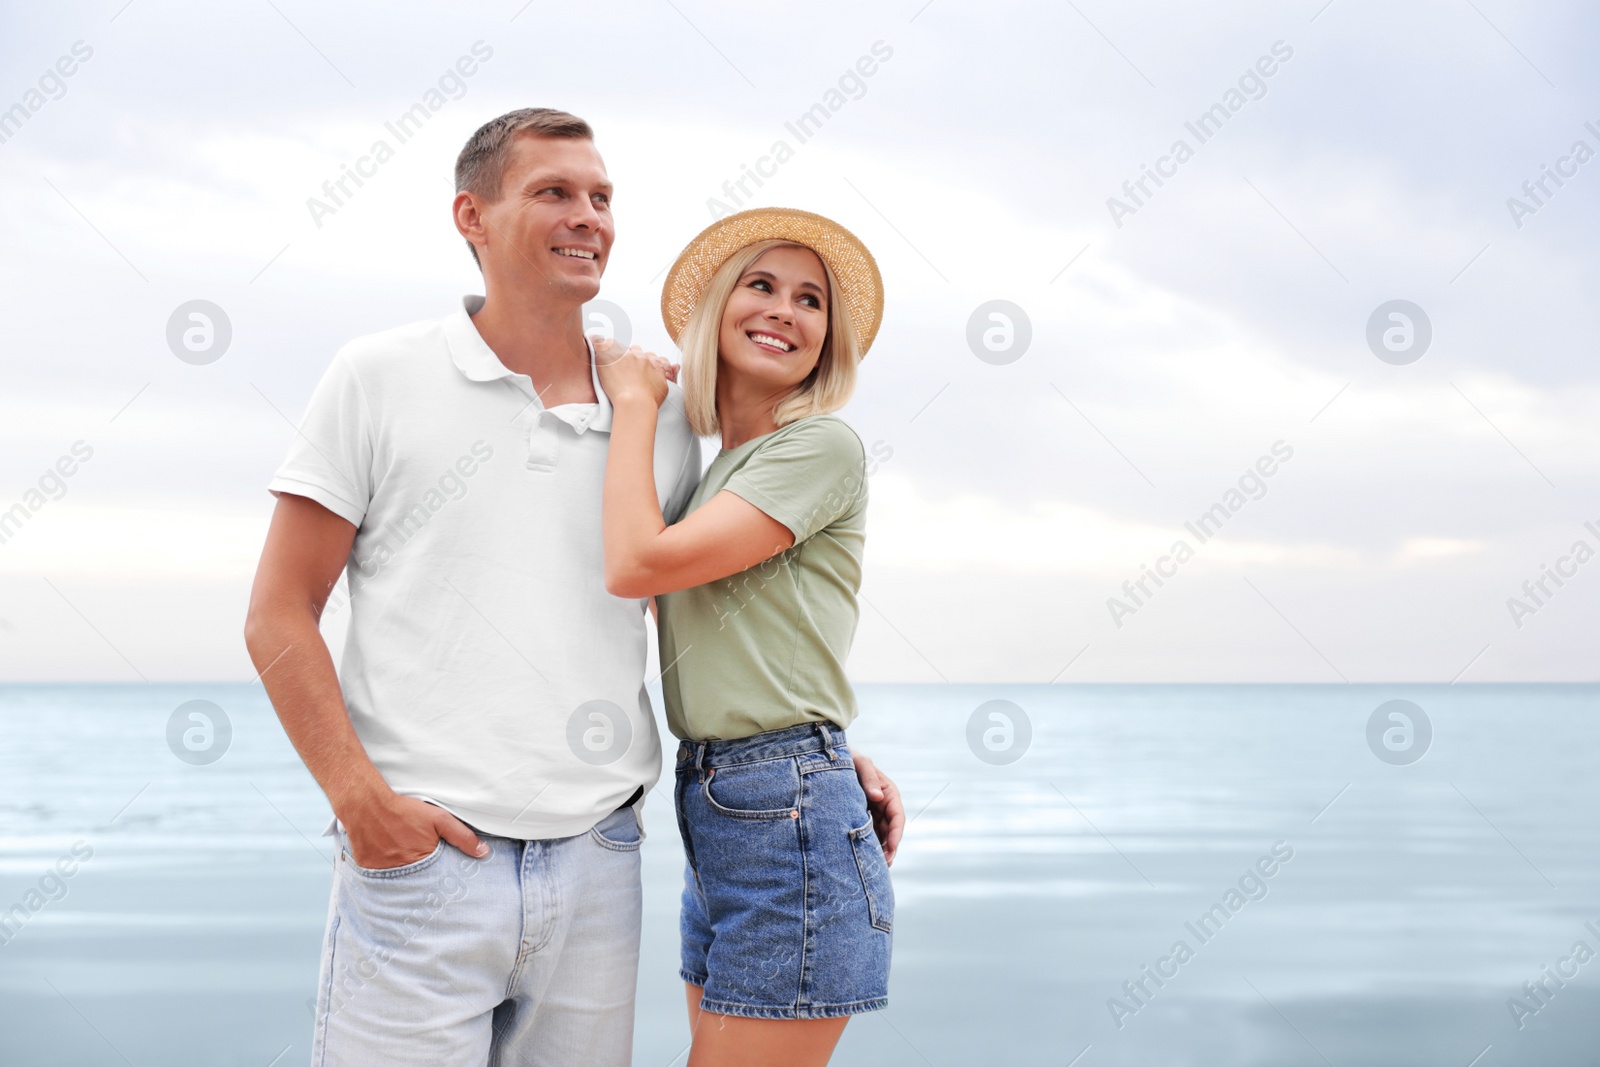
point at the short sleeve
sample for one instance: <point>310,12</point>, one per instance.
<point>330,456</point>
<point>808,476</point>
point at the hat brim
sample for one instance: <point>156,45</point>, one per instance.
<point>860,284</point>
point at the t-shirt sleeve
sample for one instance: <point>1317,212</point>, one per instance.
<point>805,478</point>
<point>330,456</point>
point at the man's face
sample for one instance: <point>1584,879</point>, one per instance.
<point>551,230</point>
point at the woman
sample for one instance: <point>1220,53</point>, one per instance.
<point>787,906</point>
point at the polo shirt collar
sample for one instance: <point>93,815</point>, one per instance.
<point>477,360</point>
<point>602,417</point>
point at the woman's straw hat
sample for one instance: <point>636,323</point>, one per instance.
<point>848,259</point>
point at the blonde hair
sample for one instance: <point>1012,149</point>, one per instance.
<point>828,386</point>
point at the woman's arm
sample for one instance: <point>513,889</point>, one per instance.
<point>643,555</point>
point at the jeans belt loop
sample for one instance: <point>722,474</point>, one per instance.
<point>827,741</point>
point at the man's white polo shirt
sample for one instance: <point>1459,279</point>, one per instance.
<point>486,668</point>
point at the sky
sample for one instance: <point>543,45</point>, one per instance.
<point>1157,350</point>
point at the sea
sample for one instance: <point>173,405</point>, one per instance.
<point>1150,875</point>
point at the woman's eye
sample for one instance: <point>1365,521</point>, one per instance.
<point>763,284</point>
<point>812,301</point>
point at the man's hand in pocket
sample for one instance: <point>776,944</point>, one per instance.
<point>394,830</point>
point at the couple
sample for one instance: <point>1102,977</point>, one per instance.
<point>508,499</point>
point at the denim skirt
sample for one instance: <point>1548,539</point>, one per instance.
<point>787,908</point>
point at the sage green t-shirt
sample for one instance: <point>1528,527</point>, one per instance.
<point>765,648</point>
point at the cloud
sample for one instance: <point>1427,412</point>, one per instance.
<point>1229,313</point>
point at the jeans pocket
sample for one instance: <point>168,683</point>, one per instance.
<point>874,877</point>
<point>391,872</point>
<point>769,789</point>
<point>618,831</point>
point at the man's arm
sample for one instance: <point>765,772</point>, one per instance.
<point>306,548</point>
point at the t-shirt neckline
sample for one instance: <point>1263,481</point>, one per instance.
<point>762,437</point>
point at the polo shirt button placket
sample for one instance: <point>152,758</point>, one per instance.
<point>544,441</point>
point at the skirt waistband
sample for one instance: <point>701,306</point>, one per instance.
<point>774,744</point>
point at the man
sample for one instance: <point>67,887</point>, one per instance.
<point>488,742</point>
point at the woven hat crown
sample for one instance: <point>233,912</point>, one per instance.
<point>860,284</point>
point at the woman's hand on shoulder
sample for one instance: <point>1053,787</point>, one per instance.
<point>631,373</point>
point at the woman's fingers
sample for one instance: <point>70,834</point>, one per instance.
<point>631,372</point>
<point>670,370</point>
<point>609,353</point>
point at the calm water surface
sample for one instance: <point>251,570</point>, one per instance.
<point>1417,901</point>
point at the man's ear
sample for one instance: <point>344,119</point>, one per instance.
<point>469,222</point>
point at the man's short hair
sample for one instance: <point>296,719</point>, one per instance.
<point>481,166</point>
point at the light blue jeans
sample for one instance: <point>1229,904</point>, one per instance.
<point>529,956</point>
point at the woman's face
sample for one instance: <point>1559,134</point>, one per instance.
<point>776,319</point>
